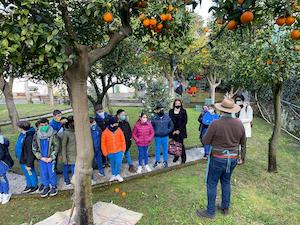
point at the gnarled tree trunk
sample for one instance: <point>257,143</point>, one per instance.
<point>6,88</point>
<point>76,77</point>
<point>214,82</point>
<point>273,142</point>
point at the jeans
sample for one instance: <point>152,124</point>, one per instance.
<point>128,158</point>
<point>4,185</point>
<point>217,171</point>
<point>143,155</point>
<point>98,158</point>
<point>30,176</point>
<point>115,160</point>
<point>161,142</point>
<point>206,149</point>
<point>48,173</point>
<point>66,169</point>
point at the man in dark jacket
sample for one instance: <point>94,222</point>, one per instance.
<point>163,126</point>
<point>125,127</point>
<point>6,163</point>
<point>225,136</point>
<point>25,155</point>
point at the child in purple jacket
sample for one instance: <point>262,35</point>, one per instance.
<point>143,134</point>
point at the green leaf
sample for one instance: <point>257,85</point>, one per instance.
<point>4,43</point>
<point>48,48</point>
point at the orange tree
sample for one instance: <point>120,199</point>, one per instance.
<point>63,39</point>
<point>267,51</point>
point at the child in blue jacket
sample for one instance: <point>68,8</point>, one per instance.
<point>96,136</point>
<point>207,119</point>
<point>6,163</point>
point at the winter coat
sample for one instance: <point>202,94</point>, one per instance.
<point>55,125</point>
<point>209,118</point>
<point>246,116</point>
<point>162,126</point>
<point>69,147</point>
<point>180,121</point>
<point>96,137</point>
<point>125,127</point>
<point>112,142</point>
<point>53,143</point>
<point>27,157</point>
<point>4,152</point>
<point>143,133</point>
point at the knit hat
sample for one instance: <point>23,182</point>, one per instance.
<point>112,120</point>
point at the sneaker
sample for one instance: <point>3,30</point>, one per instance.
<point>67,183</point>
<point>165,164</point>
<point>5,198</point>
<point>113,178</point>
<point>139,170</point>
<point>26,190</point>
<point>41,188</point>
<point>156,164</point>
<point>147,167</point>
<point>204,214</point>
<point>1,197</point>
<point>33,189</point>
<point>175,159</point>
<point>101,174</point>
<point>119,178</point>
<point>53,192</point>
<point>45,192</point>
<point>131,169</point>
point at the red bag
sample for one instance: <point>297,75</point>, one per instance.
<point>175,148</point>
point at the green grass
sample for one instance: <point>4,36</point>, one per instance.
<point>25,110</point>
<point>172,198</point>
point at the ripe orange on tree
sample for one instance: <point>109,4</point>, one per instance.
<point>160,26</point>
<point>164,17</point>
<point>295,34</point>
<point>206,29</point>
<point>247,17</point>
<point>232,25</point>
<point>146,22</point>
<point>153,22</point>
<point>290,20</point>
<point>108,17</point>
<point>169,17</point>
<point>281,21</point>
<point>269,62</point>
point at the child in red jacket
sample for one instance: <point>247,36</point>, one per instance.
<point>143,134</point>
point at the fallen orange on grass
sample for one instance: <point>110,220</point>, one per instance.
<point>117,190</point>
<point>123,194</point>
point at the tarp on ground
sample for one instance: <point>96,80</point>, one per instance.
<point>104,214</point>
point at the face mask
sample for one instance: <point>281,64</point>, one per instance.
<point>123,117</point>
<point>161,113</point>
<point>177,106</point>
<point>101,114</point>
<point>211,111</point>
<point>44,129</point>
<point>239,102</point>
<point>57,119</point>
<point>113,129</point>
<point>144,120</point>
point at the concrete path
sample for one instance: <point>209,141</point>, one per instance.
<point>17,182</point>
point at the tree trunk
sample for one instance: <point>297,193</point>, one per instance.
<point>214,82</point>
<point>77,79</point>
<point>273,142</point>
<point>50,94</point>
<point>27,92</point>
<point>213,93</point>
<point>6,88</point>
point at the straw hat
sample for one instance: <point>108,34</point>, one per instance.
<point>228,106</point>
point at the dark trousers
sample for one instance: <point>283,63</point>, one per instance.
<point>217,171</point>
<point>183,156</point>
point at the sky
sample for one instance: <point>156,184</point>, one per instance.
<point>203,9</point>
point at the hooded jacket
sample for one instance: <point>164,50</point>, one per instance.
<point>52,140</point>
<point>69,147</point>
<point>125,127</point>
<point>143,133</point>
<point>4,152</point>
<point>112,142</point>
<point>162,125</point>
<point>27,157</point>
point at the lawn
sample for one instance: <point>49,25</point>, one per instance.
<point>171,198</point>
<point>30,110</point>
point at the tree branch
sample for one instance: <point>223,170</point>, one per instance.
<point>67,21</point>
<point>93,81</point>
<point>115,38</point>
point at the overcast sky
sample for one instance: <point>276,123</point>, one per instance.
<point>203,9</point>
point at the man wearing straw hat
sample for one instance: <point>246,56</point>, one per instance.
<point>225,136</point>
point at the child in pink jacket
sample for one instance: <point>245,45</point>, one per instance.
<point>143,133</point>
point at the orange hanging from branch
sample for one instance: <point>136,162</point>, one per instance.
<point>108,17</point>
<point>232,25</point>
<point>247,17</point>
<point>280,21</point>
<point>290,20</point>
